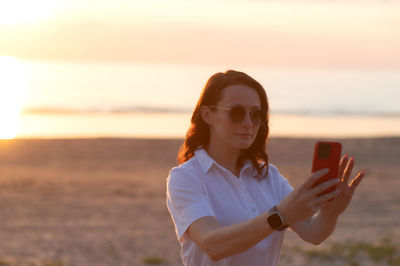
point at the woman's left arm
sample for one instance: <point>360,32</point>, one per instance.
<point>319,227</point>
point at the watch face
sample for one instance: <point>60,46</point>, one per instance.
<point>274,220</point>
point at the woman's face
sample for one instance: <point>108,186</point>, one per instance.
<point>238,135</point>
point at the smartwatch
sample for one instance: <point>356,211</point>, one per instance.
<point>275,220</point>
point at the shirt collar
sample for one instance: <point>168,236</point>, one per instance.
<point>206,161</point>
<point>247,166</point>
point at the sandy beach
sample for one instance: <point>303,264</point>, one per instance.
<point>102,201</point>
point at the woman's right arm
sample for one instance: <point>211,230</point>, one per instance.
<point>223,241</point>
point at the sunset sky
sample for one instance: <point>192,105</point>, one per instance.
<point>344,34</point>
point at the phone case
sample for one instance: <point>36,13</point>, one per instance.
<point>327,155</point>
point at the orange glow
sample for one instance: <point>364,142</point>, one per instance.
<point>313,34</point>
<point>13,87</point>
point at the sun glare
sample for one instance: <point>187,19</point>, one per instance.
<point>26,11</point>
<point>13,88</point>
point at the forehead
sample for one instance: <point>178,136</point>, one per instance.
<point>239,94</point>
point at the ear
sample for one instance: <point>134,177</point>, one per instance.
<point>205,114</point>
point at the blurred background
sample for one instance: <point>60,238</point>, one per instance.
<point>120,68</point>
<point>96,97</point>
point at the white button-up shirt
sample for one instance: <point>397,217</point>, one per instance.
<point>201,187</point>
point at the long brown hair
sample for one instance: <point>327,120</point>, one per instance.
<point>198,134</point>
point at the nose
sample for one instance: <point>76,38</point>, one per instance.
<point>247,122</point>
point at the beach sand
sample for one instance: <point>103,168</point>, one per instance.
<point>102,201</point>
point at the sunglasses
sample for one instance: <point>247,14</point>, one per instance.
<point>238,113</point>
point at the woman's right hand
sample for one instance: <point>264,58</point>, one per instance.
<point>303,201</point>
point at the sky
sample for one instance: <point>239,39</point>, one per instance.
<point>314,34</point>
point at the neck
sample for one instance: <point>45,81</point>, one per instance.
<point>224,156</point>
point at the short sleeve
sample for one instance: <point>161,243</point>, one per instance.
<point>186,200</point>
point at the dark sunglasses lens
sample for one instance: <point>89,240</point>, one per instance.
<point>237,114</point>
<point>257,116</point>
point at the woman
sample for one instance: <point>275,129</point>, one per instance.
<point>228,204</point>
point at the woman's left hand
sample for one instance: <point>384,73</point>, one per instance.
<point>346,189</point>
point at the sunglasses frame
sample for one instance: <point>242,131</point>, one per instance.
<point>260,120</point>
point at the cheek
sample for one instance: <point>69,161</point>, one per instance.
<point>225,129</point>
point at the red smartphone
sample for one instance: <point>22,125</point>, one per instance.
<point>327,155</point>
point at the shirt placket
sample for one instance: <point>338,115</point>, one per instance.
<point>246,199</point>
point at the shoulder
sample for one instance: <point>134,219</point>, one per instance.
<point>274,176</point>
<point>274,173</point>
<point>185,174</point>
<point>273,170</point>
<point>189,168</point>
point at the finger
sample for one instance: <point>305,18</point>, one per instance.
<point>342,165</point>
<point>314,177</point>
<point>325,198</point>
<point>357,180</point>
<point>324,186</point>
<point>348,171</point>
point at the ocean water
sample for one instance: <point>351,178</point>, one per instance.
<point>75,99</point>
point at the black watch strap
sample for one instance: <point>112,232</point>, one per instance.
<point>275,220</point>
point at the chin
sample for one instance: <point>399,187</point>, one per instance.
<point>243,147</point>
<point>244,144</point>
